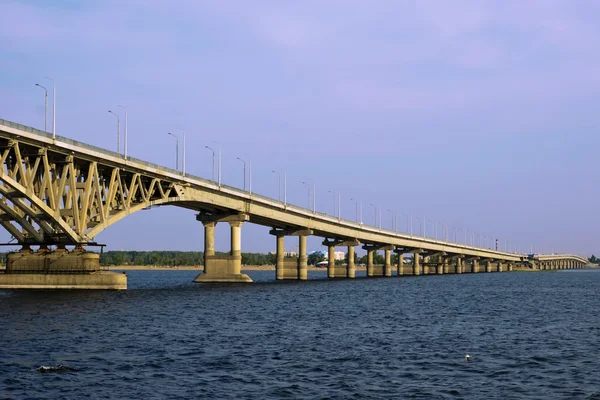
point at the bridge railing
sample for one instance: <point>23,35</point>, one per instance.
<point>25,128</point>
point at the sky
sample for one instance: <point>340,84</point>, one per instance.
<point>481,115</point>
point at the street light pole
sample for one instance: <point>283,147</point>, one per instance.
<point>285,189</point>
<point>408,223</point>
<point>361,219</point>
<point>53,107</point>
<point>176,150</point>
<point>308,198</point>
<point>213,162</point>
<point>118,130</point>
<point>356,208</point>
<point>278,185</point>
<point>333,194</point>
<point>420,224</point>
<point>375,213</point>
<point>125,134</point>
<point>244,171</point>
<point>314,198</point>
<point>393,219</point>
<point>45,107</point>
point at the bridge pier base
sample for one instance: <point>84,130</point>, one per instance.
<point>416,264</point>
<point>387,266</point>
<point>60,269</point>
<point>425,267</point>
<point>372,269</point>
<point>370,264</point>
<point>333,270</point>
<point>445,266</point>
<point>400,264</point>
<point>351,265</point>
<point>459,267</point>
<point>439,268</point>
<point>488,266</point>
<point>475,266</point>
<point>499,267</point>
<point>222,268</point>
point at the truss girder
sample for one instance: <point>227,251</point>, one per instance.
<point>49,196</point>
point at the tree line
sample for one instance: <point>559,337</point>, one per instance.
<point>174,258</point>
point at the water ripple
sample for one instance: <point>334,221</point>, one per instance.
<point>530,335</point>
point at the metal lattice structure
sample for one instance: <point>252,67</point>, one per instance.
<point>50,197</point>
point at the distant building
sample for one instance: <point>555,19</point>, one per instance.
<point>287,253</point>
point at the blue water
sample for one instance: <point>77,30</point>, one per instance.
<point>530,335</point>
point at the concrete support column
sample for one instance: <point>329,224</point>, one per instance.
<point>302,259</point>
<point>425,266</point>
<point>439,268</point>
<point>236,238</point>
<point>416,264</point>
<point>488,266</point>
<point>209,240</point>
<point>351,272</point>
<point>445,265</point>
<point>400,264</point>
<point>510,267</point>
<point>459,267</point>
<point>370,265</point>
<point>475,266</point>
<point>223,268</point>
<point>279,263</point>
<point>499,266</point>
<point>331,262</point>
<point>387,266</point>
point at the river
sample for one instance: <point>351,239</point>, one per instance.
<point>529,335</point>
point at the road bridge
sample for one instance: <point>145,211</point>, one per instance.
<point>58,192</point>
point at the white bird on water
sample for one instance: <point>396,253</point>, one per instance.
<point>468,357</point>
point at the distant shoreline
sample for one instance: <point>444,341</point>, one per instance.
<point>245,268</point>
<point>201,268</point>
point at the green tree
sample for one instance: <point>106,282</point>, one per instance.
<point>315,258</point>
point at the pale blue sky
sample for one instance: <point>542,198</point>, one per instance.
<point>481,114</point>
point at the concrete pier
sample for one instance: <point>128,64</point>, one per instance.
<point>302,258</point>
<point>351,273</point>
<point>333,270</point>
<point>60,269</point>
<point>459,266</point>
<point>387,266</point>
<point>223,268</point>
<point>425,266</point>
<point>370,265</point>
<point>416,264</point>
<point>440,268</point>
<point>400,266</point>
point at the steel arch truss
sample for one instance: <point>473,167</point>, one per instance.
<point>50,197</point>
